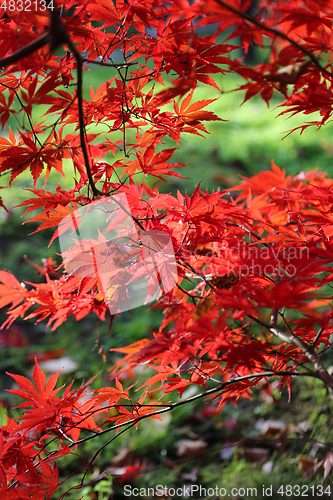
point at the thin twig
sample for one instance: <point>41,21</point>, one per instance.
<point>209,392</point>
<point>108,65</point>
<point>276,32</point>
<point>169,407</point>
<point>27,50</point>
<point>306,348</point>
<point>317,337</point>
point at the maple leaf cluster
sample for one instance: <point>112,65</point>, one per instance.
<point>252,295</point>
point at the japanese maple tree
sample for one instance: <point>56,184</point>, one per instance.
<point>251,298</point>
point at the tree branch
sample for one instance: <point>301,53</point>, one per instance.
<point>276,32</point>
<point>26,51</point>
<point>55,37</point>
<point>307,349</point>
<point>214,390</point>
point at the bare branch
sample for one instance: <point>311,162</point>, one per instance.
<point>306,348</point>
<point>170,407</point>
<point>26,51</point>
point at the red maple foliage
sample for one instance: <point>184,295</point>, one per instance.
<point>242,259</point>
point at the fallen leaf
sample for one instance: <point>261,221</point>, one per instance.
<point>255,455</point>
<point>306,465</point>
<point>65,364</point>
<point>271,428</point>
<point>187,448</point>
<point>123,458</point>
